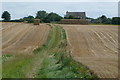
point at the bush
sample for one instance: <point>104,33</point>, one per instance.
<point>52,17</point>
<point>29,19</point>
<point>116,20</point>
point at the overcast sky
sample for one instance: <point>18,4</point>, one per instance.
<point>92,9</point>
<point>59,0</point>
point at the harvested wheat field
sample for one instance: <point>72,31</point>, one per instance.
<point>23,37</point>
<point>26,58</point>
<point>95,46</point>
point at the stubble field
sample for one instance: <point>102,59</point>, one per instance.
<point>95,46</point>
<point>23,38</point>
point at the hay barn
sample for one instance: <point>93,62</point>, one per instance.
<point>81,15</point>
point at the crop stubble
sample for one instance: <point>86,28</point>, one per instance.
<point>23,38</point>
<point>95,46</point>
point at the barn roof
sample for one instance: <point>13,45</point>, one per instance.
<point>76,14</point>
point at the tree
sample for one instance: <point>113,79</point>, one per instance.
<point>116,20</point>
<point>108,21</point>
<point>6,16</point>
<point>52,17</point>
<point>97,21</point>
<point>41,15</point>
<point>29,19</point>
<point>105,20</point>
<point>102,20</point>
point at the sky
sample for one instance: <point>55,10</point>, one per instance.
<point>59,0</point>
<point>93,9</point>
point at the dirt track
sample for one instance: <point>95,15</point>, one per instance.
<point>22,37</point>
<point>95,46</point>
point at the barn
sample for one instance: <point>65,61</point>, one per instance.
<point>80,15</point>
<point>77,18</point>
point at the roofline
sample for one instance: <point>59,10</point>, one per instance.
<point>77,12</point>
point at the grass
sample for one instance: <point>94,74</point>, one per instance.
<point>58,63</point>
<point>17,67</point>
<point>7,57</point>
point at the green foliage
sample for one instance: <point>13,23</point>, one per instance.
<point>29,19</point>
<point>41,15</point>
<point>48,17</point>
<point>102,20</point>
<point>6,16</point>
<point>17,67</point>
<point>116,20</point>
<point>108,21</point>
<point>40,49</point>
<point>52,17</point>
<point>7,57</point>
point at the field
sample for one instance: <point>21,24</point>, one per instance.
<point>18,42</point>
<point>23,38</point>
<point>30,52</point>
<point>59,51</point>
<point>95,46</point>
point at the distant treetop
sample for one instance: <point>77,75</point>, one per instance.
<point>6,16</point>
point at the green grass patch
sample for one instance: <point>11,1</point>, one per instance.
<point>7,57</point>
<point>17,67</point>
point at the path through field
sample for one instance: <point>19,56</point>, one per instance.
<point>95,46</point>
<point>23,38</point>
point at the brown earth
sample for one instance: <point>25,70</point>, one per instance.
<point>95,46</point>
<point>22,37</point>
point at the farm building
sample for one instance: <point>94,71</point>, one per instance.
<point>36,21</point>
<point>81,15</point>
<point>78,18</point>
<point>74,21</point>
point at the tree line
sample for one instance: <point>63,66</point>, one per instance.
<point>42,15</point>
<point>104,20</point>
<point>54,17</point>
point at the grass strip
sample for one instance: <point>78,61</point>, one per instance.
<point>58,63</point>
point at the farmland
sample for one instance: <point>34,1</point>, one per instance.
<point>59,51</point>
<point>95,46</point>
<point>18,42</point>
<point>23,38</point>
<point>38,52</point>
